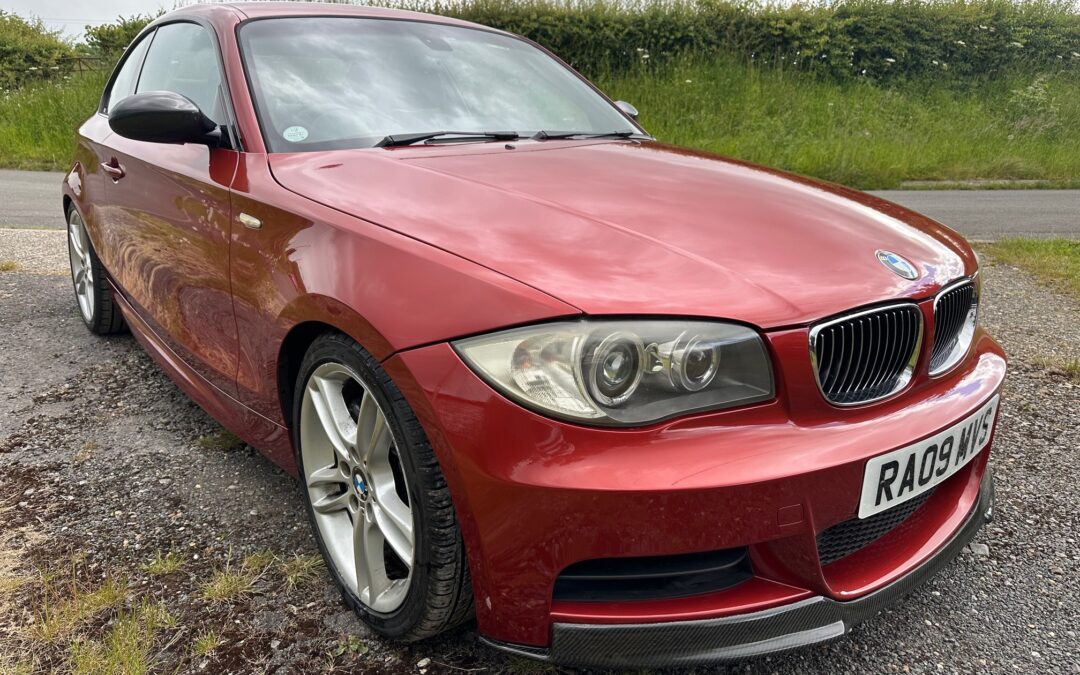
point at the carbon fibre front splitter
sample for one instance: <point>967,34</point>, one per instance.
<point>707,641</point>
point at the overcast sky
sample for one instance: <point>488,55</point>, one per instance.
<point>72,16</point>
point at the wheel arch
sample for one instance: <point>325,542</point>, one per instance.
<point>309,317</point>
<point>296,344</point>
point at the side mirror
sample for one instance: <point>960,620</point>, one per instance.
<point>629,110</point>
<point>163,117</point>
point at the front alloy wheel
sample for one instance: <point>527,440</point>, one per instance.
<point>353,475</point>
<point>379,505</point>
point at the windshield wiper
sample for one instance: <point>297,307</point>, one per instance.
<point>410,139</point>
<point>543,135</point>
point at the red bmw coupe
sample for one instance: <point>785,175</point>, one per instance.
<point>627,404</point>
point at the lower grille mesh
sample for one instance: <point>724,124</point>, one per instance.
<point>845,538</point>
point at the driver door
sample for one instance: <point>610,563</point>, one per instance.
<point>169,214</point>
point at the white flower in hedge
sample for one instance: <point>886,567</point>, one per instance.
<point>961,43</point>
<point>1018,45</point>
<point>888,60</point>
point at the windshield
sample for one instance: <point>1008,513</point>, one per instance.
<point>330,83</point>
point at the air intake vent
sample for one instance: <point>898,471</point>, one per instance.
<point>868,355</point>
<point>954,325</point>
<point>850,536</point>
<point>673,576</point>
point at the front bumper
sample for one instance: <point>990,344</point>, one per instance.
<point>535,496</point>
<point>707,641</point>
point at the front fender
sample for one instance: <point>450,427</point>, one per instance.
<point>310,263</point>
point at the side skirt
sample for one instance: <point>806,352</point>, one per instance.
<point>270,438</point>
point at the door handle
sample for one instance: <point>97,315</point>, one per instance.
<point>114,169</point>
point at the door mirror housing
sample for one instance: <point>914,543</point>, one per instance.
<point>628,110</point>
<point>163,117</point>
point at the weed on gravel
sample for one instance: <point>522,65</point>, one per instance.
<point>127,646</point>
<point>219,441</point>
<point>236,581</point>
<point>164,563</point>
<point>302,569</point>
<point>205,644</point>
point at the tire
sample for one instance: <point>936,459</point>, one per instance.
<point>93,295</point>
<point>436,594</point>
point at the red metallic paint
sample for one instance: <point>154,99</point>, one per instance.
<point>408,248</point>
<point>703,483</point>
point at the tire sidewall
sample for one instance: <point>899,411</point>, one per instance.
<point>337,348</point>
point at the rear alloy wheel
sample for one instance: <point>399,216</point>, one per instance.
<point>92,292</point>
<point>378,503</point>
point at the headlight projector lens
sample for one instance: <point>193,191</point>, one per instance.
<point>695,363</point>
<point>614,370</point>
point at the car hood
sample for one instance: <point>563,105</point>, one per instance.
<point>640,228</point>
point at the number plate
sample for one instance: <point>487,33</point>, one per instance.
<point>903,474</point>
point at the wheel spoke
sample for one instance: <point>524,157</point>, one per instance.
<point>328,477</point>
<point>370,427</point>
<point>371,578</point>
<point>395,522</point>
<point>334,416</point>
<point>331,503</point>
<point>76,241</point>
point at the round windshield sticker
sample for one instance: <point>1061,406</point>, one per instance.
<point>294,134</point>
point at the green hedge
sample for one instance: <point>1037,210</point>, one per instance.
<point>882,40</point>
<point>109,40</point>
<point>29,51</point>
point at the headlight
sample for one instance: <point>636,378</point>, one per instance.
<point>624,372</point>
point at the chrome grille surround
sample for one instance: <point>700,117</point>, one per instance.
<point>952,306</point>
<point>868,355</point>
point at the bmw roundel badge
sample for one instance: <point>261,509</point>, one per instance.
<point>898,264</point>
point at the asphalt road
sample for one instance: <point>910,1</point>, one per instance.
<point>32,199</point>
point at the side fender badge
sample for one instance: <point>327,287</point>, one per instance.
<point>250,222</point>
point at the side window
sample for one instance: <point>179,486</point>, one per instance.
<point>183,59</point>
<point>124,84</point>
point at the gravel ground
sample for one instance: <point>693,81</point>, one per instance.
<point>37,251</point>
<point>104,464</point>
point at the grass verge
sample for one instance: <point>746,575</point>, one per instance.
<point>38,122</point>
<point>1053,261</point>
<point>1023,127</point>
<point>859,133</point>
